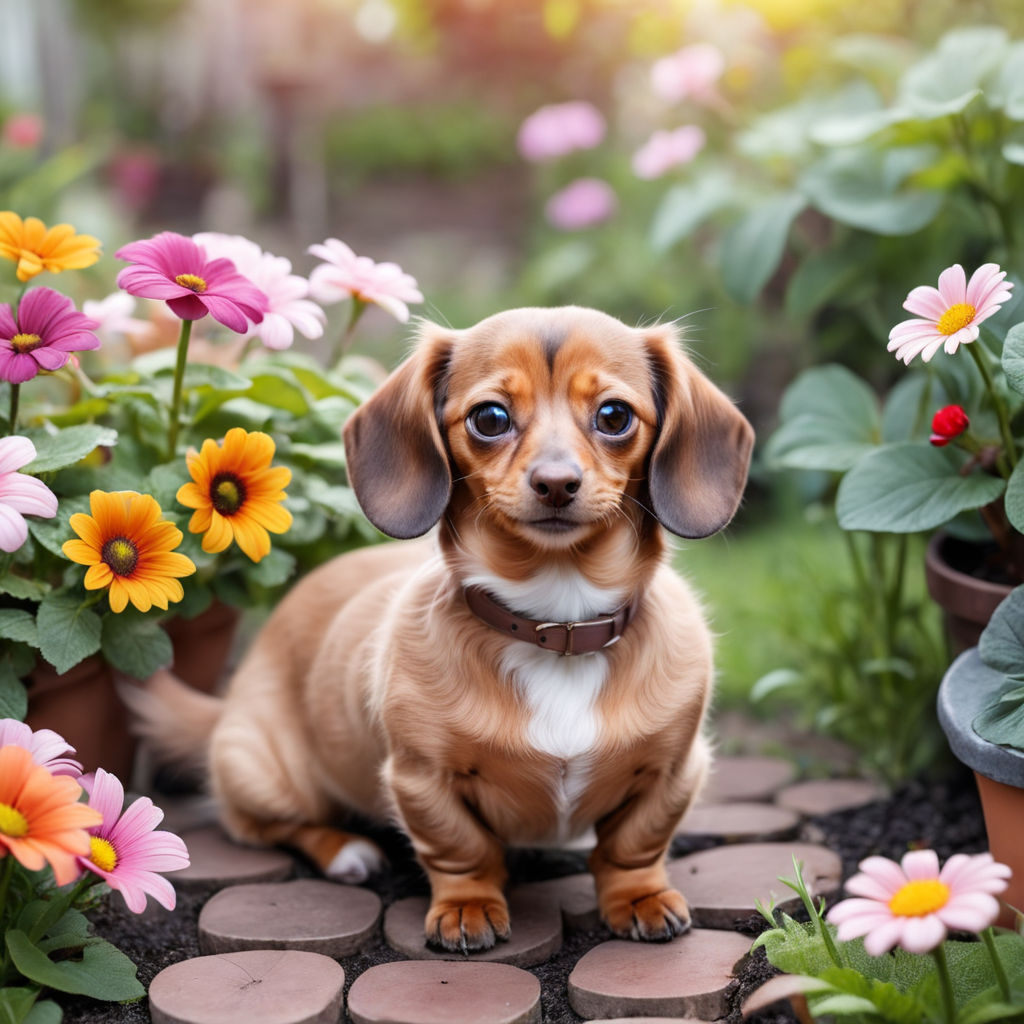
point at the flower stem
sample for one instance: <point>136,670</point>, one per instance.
<point>179,377</point>
<point>997,403</point>
<point>945,984</point>
<point>341,348</point>
<point>5,882</point>
<point>15,395</point>
<point>997,965</point>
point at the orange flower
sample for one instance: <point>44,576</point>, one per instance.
<point>236,493</point>
<point>36,248</point>
<point>129,549</point>
<point>41,820</point>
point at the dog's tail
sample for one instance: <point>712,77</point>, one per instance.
<point>173,718</point>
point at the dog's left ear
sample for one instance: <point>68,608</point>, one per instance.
<point>397,460</point>
<point>698,466</point>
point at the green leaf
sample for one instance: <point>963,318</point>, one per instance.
<point>135,644</point>
<point>23,589</point>
<point>1007,88</point>
<point>69,446</point>
<point>843,1005</point>
<point>822,276</point>
<point>68,631</point>
<point>753,246</point>
<point>13,695</point>
<point>278,391</point>
<point>1001,646</point>
<point>1003,722</point>
<point>780,679</point>
<point>905,488</point>
<point>16,1003</point>
<point>1013,358</point>
<point>684,208</point>
<point>203,375</point>
<point>52,533</point>
<point>329,455</point>
<point>1015,497</point>
<point>18,624</point>
<point>45,1012</point>
<point>273,569</point>
<point>104,972</point>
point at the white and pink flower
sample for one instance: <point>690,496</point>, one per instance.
<point>20,494</point>
<point>581,204</point>
<point>47,748</point>
<point>690,73</point>
<point>558,129</point>
<point>667,149</point>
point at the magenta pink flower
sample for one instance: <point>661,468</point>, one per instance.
<point>665,150</point>
<point>690,73</point>
<point>20,494</point>
<point>559,129</point>
<point>23,130</point>
<point>581,204</point>
<point>46,747</point>
<point>913,903</point>
<point>126,851</point>
<point>42,334</point>
<point>951,312</point>
<point>346,275</point>
<point>172,267</point>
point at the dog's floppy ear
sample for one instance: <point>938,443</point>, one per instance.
<point>397,460</point>
<point>698,466</point>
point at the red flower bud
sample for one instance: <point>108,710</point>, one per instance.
<point>949,422</point>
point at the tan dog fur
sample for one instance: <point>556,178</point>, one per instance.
<point>373,687</point>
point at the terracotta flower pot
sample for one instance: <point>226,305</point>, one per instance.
<point>967,601</point>
<point>969,686</point>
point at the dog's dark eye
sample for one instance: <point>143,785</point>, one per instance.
<point>489,420</point>
<point>613,418</point>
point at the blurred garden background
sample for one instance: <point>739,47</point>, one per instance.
<point>775,175</point>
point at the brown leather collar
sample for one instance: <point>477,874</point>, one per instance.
<point>583,637</point>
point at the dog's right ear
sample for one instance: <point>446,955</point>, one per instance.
<point>397,460</point>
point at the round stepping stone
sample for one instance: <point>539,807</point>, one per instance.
<point>259,986</point>
<point>722,885</point>
<point>308,913</point>
<point>746,777</point>
<point>687,977</point>
<point>575,894</point>
<point>536,931</point>
<point>435,992</point>
<point>217,861</point>
<point>740,822</point>
<point>826,796</point>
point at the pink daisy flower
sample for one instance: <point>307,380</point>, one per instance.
<point>581,204</point>
<point>113,315</point>
<point>951,312</point>
<point>667,149</point>
<point>346,275</point>
<point>288,309</point>
<point>912,904</point>
<point>559,129</point>
<point>126,852</point>
<point>172,267</point>
<point>46,747</point>
<point>690,73</point>
<point>20,494</point>
<point>42,334</point>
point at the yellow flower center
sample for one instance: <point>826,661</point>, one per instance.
<point>12,822</point>
<point>227,493</point>
<point>920,897</point>
<point>191,281</point>
<point>121,555</point>
<point>102,853</point>
<point>25,342</point>
<point>955,318</point>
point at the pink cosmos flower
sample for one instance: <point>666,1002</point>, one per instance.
<point>690,73</point>
<point>346,275</point>
<point>172,267</point>
<point>951,312</point>
<point>42,334</point>
<point>20,494</point>
<point>113,315</point>
<point>126,851</point>
<point>46,747</point>
<point>560,128</point>
<point>288,309</point>
<point>665,150</point>
<point>913,903</point>
<point>581,204</point>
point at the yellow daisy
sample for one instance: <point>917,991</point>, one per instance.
<point>36,248</point>
<point>129,549</point>
<point>236,493</point>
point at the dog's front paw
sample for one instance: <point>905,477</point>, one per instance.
<point>469,926</point>
<point>653,917</point>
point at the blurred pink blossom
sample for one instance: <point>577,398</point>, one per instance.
<point>581,204</point>
<point>47,748</point>
<point>20,495</point>
<point>113,315</point>
<point>559,129</point>
<point>23,131</point>
<point>667,149</point>
<point>690,73</point>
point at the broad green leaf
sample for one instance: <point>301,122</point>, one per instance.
<point>68,631</point>
<point>329,455</point>
<point>273,569</point>
<point>45,1012</point>
<point>843,1005</point>
<point>104,972</point>
<point>1006,89</point>
<point>1015,497</point>
<point>203,375</point>
<point>1003,721</point>
<point>822,276</point>
<point>52,533</point>
<point>22,588</point>
<point>13,695</point>
<point>279,391</point>
<point>1002,643</point>
<point>319,385</point>
<point>18,624</point>
<point>780,679</point>
<point>135,644</point>
<point>753,246</point>
<point>684,208</point>
<point>1013,358</point>
<point>69,446</point>
<point>16,1003</point>
<point>905,488</point>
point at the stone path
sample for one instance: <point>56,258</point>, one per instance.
<point>273,941</point>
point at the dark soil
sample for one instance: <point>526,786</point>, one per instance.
<point>944,816</point>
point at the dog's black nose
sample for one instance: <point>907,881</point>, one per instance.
<point>555,483</point>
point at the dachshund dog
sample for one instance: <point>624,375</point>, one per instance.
<point>535,674</point>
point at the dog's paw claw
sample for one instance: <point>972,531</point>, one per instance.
<point>657,917</point>
<point>470,927</point>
